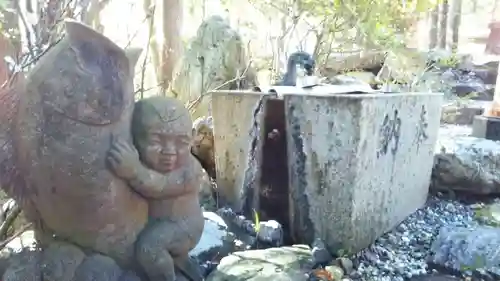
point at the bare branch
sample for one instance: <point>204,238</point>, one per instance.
<point>9,220</point>
<point>197,101</point>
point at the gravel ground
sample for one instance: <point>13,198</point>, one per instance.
<point>401,254</point>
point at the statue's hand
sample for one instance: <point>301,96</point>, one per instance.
<point>123,160</point>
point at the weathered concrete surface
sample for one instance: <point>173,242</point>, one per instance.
<point>237,120</point>
<point>359,163</point>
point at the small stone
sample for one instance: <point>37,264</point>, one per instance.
<point>320,253</point>
<point>346,264</point>
<point>336,271</point>
<point>239,220</point>
<point>405,240</point>
<point>271,232</point>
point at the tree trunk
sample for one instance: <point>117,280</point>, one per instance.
<point>92,14</point>
<point>456,15</point>
<point>494,11</point>
<point>433,31</point>
<point>171,49</point>
<point>443,24</point>
<point>165,50</point>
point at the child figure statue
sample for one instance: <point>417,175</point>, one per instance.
<point>161,168</point>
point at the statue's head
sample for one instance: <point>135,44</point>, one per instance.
<point>85,77</point>
<point>304,60</point>
<point>162,133</point>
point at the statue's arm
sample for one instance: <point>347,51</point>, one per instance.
<point>152,184</point>
<point>124,161</point>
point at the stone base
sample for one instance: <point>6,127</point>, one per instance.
<point>486,127</point>
<point>64,262</point>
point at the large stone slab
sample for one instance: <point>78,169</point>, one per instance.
<point>237,118</point>
<point>359,163</point>
<point>281,264</point>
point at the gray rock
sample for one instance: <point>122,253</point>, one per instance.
<point>98,267</point>
<point>280,264</point>
<point>129,276</point>
<point>462,112</point>
<point>319,252</point>
<point>24,266</point>
<point>461,248</point>
<point>60,261</point>
<point>346,264</point>
<point>271,232</point>
<point>353,78</point>
<point>466,84</point>
<point>467,164</point>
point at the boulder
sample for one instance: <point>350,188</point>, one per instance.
<point>404,67</point>
<point>467,164</point>
<point>214,56</point>
<point>356,78</point>
<point>466,84</point>
<point>290,263</point>
<point>339,63</point>
<point>460,248</point>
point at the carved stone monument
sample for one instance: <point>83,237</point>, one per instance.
<point>106,199</point>
<point>214,59</point>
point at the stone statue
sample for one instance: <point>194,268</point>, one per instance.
<point>164,172</point>
<point>66,154</point>
<point>214,59</point>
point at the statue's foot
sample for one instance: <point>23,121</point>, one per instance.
<point>189,268</point>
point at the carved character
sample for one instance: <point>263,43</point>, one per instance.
<point>162,169</point>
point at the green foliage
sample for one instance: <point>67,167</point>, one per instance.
<point>340,25</point>
<point>256,221</point>
<point>478,263</point>
<point>450,61</point>
<point>487,216</point>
